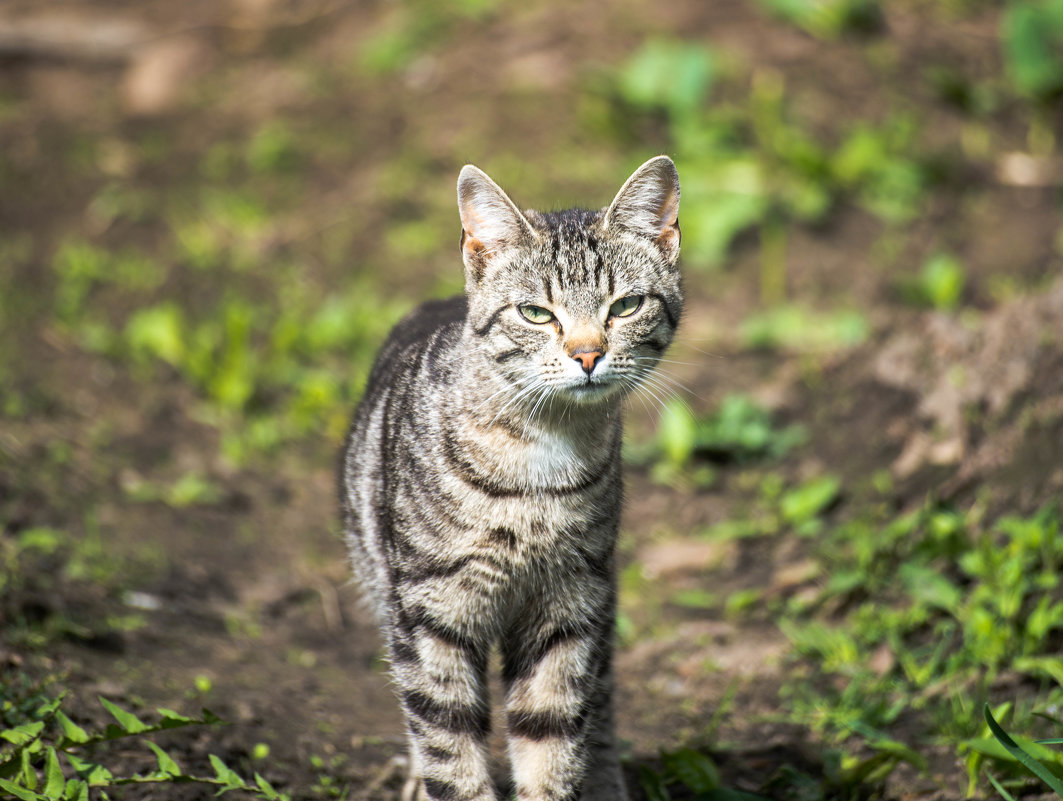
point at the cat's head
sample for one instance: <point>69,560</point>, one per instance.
<point>573,305</point>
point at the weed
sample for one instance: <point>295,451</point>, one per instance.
<point>47,755</point>
<point>797,328</point>
<point>80,267</point>
<point>1025,756</point>
<point>948,606</point>
<point>413,29</point>
<point>940,284</point>
<point>265,375</point>
<point>693,772</point>
<point>802,506</point>
<point>828,19</point>
<point>738,430</point>
<point>1031,34</point>
<point>669,75</point>
<point>752,167</point>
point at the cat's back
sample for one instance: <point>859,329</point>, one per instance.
<point>422,336</point>
<point>413,366</point>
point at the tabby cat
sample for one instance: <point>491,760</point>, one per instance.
<point>481,484</point>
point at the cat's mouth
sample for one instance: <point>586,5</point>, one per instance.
<point>591,389</point>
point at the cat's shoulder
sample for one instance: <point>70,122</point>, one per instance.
<point>425,320</point>
<point>438,321</point>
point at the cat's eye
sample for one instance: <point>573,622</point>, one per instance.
<point>535,314</point>
<point>625,307</point>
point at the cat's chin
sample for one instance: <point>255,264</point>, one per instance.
<point>593,392</point>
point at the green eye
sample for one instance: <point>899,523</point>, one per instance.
<point>535,314</point>
<point>625,307</point>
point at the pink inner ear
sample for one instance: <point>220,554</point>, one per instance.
<point>472,222</point>
<point>668,211</point>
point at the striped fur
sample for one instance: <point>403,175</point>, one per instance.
<point>481,485</point>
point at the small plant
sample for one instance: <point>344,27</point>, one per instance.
<point>46,757</point>
<point>739,430</point>
<point>828,19</point>
<point>939,285</point>
<point>668,75</point>
<point>1026,759</point>
<point>693,771</point>
<point>797,328</point>
<point>1032,37</point>
<point>946,605</point>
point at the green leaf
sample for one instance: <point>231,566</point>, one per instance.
<point>76,790</point>
<point>227,776</point>
<point>54,781</point>
<point>728,794</point>
<point>653,785</point>
<point>693,769</point>
<point>127,720</point>
<point>177,717</point>
<point>676,433</point>
<point>827,19</point>
<point>927,585</point>
<point>29,775</point>
<point>943,279</point>
<point>797,328</point>
<point>266,788</point>
<point>805,502</point>
<point>21,792</point>
<point>49,708</point>
<point>1044,665</point>
<point>667,74</point>
<point>158,331</point>
<point>1000,788</point>
<point>26,733</point>
<point>71,731</point>
<point>1031,34</point>
<point>166,763</point>
<point>91,772</point>
<point>695,598</point>
<point>1031,764</point>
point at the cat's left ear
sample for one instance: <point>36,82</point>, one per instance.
<point>491,223</point>
<point>648,205</point>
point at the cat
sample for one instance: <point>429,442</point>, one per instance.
<point>481,486</point>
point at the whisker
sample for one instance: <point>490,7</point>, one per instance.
<point>686,343</point>
<point>669,380</point>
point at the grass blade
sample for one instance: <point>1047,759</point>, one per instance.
<point>1031,764</point>
<point>1000,788</point>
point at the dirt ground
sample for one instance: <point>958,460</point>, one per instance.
<point>246,605</point>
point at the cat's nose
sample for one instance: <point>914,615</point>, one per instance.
<point>587,359</point>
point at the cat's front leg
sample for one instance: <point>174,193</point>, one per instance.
<point>558,705</point>
<point>441,678</point>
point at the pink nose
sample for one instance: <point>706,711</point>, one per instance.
<point>588,359</point>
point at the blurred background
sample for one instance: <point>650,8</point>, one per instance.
<point>841,537</point>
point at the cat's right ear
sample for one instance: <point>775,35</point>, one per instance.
<point>490,222</point>
<point>648,205</point>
